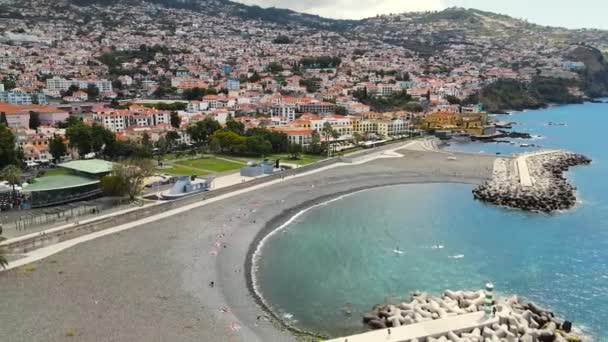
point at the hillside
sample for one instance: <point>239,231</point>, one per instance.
<point>152,39</point>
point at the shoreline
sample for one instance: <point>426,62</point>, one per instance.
<point>282,221</point>
<point>179,278</point>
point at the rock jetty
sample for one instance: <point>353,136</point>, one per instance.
<point>532,182</point>
<point>516,320</point>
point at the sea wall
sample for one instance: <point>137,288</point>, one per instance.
<point>514,320</point>
<point>532,182</point>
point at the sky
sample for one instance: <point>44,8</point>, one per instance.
<point>566,13</point>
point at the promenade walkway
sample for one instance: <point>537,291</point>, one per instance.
<point>54,240</point>
<point>423,330</point>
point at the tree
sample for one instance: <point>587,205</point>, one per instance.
<point>132,174</point>
<point>175,120</point>
<point>57,147</point>
<point>230,142</point>
<point>12,174</point>
<point>235,126</point>
<point>341,110</point>
<point>112,185</point>
<point>275,67</point>
<point>357,137</point>
<point>100,137</point>
<point>453,100</point>
<point>3,120</point>
<point>278,140</point>
<point>194,94</point>
<point>34,120</point>
<point>315,142</point>
<point>71,90</point>
<point>282,39</point>
<point>80,138</point>
<point>214,145</point>
<point>201,130</point>
<point>9,84</point>
<point>312,84</point>
<point>255,77</point>
<point>294,151</point>
<point>118,149</point>
<point>172,137</point>
<point>146,141</point>
<point>92,92</point>
<point>162,144</point>
<point>328,133</point>
<point>257,146</point>
<point>8,154</point>
<point>71,120</point>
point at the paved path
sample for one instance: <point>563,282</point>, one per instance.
<point>524,172</point>
<point>422,330</point>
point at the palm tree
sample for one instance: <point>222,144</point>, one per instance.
<point>12,174</point>
<point>329,133</point>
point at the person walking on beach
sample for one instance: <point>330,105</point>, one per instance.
<point>494,311</point>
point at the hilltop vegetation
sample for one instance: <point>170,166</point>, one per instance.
<point>270,14</point>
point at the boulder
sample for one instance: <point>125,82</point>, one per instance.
<point>377,324</point>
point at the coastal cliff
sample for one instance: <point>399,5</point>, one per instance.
<point>509,94</point>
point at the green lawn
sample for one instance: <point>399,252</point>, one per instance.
<point>284,157</point>
<point>182,171</point>
<point>211,164</point>
<point>304,158</point>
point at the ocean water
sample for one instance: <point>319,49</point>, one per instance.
<point>335,261</point>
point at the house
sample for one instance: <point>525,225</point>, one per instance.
<point>19,115</point>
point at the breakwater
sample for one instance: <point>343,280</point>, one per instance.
<point>505,319</point>
<point>532,182</point>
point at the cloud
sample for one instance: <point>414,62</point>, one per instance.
<point>351,9</point>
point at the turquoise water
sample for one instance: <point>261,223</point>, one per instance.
<point>340,255</point>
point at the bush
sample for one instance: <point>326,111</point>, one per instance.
<point>112,186</point>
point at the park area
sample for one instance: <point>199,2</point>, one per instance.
<point>211,164</point>
<point>304,158</point>
<point>200,166</point>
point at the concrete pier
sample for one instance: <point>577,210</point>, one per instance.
<point>532,181</point>
<point>423,330</point>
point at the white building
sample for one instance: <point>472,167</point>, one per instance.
<point>285,114</point>
<point>58,83</point>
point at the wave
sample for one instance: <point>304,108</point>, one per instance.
<point>457,256</point>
